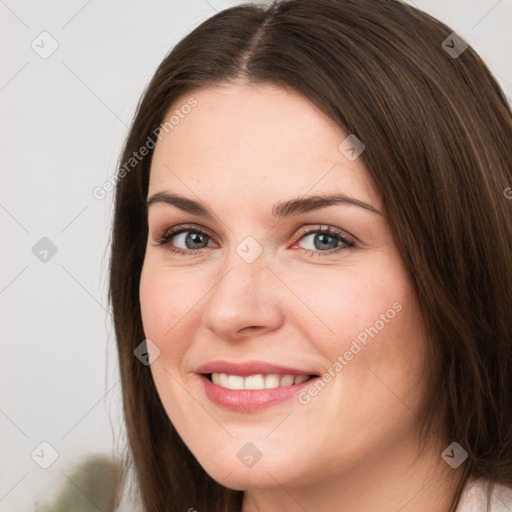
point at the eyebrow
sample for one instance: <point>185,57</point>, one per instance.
<point>295,206</point>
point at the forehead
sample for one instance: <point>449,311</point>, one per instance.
<point>262,139</point>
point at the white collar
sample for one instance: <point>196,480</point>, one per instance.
<point>474,497</point>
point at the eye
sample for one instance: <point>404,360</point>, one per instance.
<point>191,238</point>
<point>319,241</point>
<point>328,240</point>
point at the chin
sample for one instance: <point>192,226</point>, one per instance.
<point>243,479</point>
<point>269,471</point>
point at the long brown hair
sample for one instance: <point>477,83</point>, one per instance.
<point>437,130</point>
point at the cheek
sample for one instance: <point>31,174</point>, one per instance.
<point>153,296</point>
<point>168,301</point>
<point>362,302</point>
<point>369,317</point>
<point>167,309</point>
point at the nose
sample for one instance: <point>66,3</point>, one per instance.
<point>245,301</point>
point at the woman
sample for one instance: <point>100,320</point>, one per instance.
<point>310,267</point>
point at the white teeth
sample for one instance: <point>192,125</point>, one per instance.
<point>255,382</point>
<point>235,382</point>
<point>271,381</point>
<point>299,379</point>
<point>287,380</point>
<point>258,381</point>
<point>223,380</point>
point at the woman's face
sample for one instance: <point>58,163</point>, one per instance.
<point>261,295</point>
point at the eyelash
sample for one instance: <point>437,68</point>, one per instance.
<point>166,237</point>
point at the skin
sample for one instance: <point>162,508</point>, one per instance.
<point>354,446</point>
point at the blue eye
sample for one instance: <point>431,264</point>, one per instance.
<point>192,237</point>
<point>324,240</point>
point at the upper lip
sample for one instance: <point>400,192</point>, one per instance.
<point>249,368</point>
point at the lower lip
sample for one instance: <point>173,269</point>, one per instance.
<point>248,400</point>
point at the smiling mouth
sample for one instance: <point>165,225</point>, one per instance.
<point>256,382</point>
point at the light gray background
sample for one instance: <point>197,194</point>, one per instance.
<point>64,119</point>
